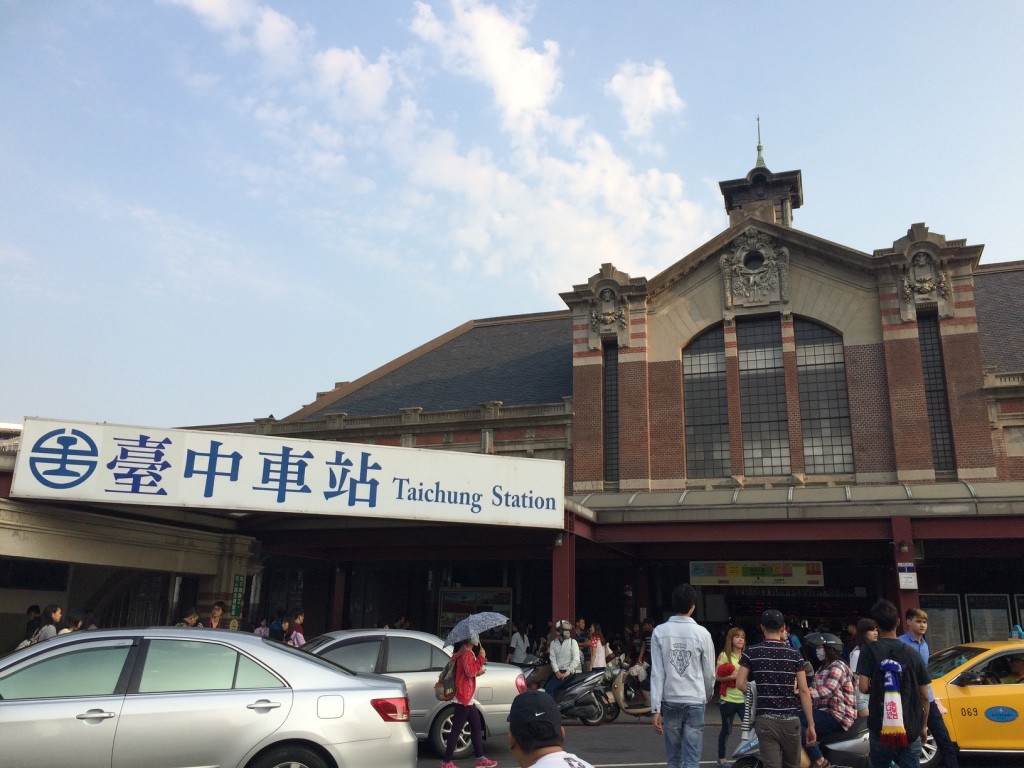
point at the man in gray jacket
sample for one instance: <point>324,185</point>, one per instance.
<point>682,680</point>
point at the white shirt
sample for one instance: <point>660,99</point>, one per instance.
<point>518,647</point>
<point>565,655</point>
<point>561,759</point>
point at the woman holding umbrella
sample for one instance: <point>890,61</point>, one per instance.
<point>464,637</point>
<point>469,665</point>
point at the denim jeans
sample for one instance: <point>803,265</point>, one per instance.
<point>937,728</point>
<point>905,757</point>
<point>824,724</point>
<point>729,710</point>
<point>684,733</point>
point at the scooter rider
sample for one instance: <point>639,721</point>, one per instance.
<point>565,656</point>
<point>833,691</point>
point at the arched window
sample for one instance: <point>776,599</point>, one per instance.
<point>821,388</point>
<point>824,406</point>
<point>706,406</point>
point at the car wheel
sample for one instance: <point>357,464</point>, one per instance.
<point>292,756</point>
<point>598,717</point>
<point>930,755</point>
<point>611,712</point>
<point>439,731</point>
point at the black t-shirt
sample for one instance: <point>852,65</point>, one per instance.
<point>871,654</point>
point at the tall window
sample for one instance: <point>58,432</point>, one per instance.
<point>706,406</point>
<point>824,406</point>
<point>936,400</point>
<point>611,411</point>
<point>763,396</point>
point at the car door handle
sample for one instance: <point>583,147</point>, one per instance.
<point>263,704</point>
<point>95,714</point>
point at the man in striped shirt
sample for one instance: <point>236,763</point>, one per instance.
<point>778,671</point>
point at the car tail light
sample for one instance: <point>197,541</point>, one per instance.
<point>392,710</point>
<point>520,682</point>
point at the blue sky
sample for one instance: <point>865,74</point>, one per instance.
<point>212,209</point>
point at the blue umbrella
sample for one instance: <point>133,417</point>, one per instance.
<point>474,624</point>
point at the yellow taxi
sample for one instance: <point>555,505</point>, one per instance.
<point>981,685</point>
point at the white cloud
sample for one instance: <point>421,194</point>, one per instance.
<point>644,92</point>
<point>545,203</point>
<point>279,41</point>
<point>354,88</point>
<point>221,15</point>
<point>490,47</point>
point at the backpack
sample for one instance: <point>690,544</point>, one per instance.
<point>444,688</point>
<point>910,691</point>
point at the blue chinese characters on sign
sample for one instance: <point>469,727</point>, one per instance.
<point>139,465</point>
<point>63,458</point>
<point>343,483</point>
<point>211,469</point>
<point>284,473</point>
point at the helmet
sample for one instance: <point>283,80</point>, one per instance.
<point>822,639</point>
<point>564,627</point>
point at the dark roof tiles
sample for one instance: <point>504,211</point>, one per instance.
<point>522,360</point>
<point>999,298</point>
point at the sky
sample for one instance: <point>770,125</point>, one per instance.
<point>210,210</point>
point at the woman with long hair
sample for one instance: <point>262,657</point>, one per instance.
<point>50,618</point>
<point>730,699</point>
<point>867,632</point>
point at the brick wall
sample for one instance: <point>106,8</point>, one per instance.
<point>587,398</point>
<point>870,420</point>
<point>668,445</point>
<point>634,434</point>
<point>910,428</point>
<point>968,405</point>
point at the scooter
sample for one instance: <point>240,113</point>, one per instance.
<point>623,692</point>
<point>844,749</point>
<point>582,696</point>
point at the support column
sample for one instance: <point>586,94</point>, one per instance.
<point>563,573</point>
<point>732,388</point>
<point>903,537</point>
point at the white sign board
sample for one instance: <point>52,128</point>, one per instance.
<point>111,464</point>
<point>907,575</point>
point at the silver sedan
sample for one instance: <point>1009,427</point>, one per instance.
<point>159,698</point>
<point>417,658</point>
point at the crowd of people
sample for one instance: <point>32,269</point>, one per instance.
<point>810,683</point>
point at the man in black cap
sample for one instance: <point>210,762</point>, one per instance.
<point>777,669</point>
<point>535,733</point>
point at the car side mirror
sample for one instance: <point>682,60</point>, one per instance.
<point>970,678</point>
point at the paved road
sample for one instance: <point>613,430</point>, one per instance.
<point>632,743</point>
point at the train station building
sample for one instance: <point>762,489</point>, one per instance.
<point>777,418</point>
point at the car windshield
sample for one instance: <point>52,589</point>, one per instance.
<point>944,661</point>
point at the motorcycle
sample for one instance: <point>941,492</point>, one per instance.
<point>623,692</point>
<point>844,749</point>
<point>582,696</point>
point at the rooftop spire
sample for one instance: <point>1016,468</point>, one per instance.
<point>760,147</point>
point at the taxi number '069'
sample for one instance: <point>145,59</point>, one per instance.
<point>969,711</point>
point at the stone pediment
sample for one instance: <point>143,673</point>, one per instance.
<point>754,259</point>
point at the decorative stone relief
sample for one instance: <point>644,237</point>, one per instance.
<point>755,273</point>
<point>925,282</point>
<point>608,312</point>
